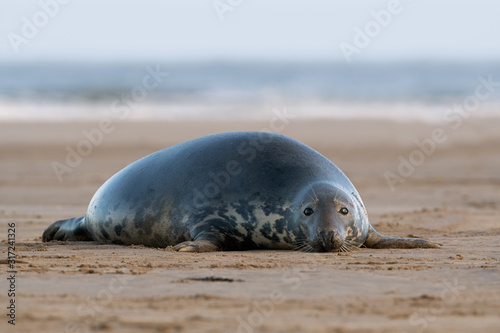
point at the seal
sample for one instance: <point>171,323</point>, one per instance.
<point>230,191</point>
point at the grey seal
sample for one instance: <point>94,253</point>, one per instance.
<point>230,191</point>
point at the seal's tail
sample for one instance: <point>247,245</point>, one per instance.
<point>67,230</point>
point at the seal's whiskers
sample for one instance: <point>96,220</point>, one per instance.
<point>350,246</point>
<point>314,192</point>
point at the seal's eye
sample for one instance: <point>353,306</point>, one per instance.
<point>344,211</point>
<point>308,211</point>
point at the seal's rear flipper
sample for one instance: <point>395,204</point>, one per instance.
<point>67,230</point>
<point>377,241</point>
<point>196,246</point>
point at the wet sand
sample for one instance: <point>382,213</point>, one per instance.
<point>452,197</point>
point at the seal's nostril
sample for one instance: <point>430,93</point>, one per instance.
<point>331,236</point>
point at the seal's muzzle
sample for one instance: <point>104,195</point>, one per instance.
<point>328,241</point>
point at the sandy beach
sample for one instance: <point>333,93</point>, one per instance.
<point>451,197</point>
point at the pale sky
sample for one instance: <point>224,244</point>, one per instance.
<point>166,30</point>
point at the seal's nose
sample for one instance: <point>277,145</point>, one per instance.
<point>329,239</point>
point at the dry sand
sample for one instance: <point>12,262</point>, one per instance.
<point>452,198</point>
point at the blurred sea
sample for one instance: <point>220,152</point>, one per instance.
<point>217,90</point>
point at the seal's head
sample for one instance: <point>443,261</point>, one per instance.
<point>330,218</point>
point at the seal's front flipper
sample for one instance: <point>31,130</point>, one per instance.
<point>377,241</point>
<point>67,230</point>
<point>207,236</point>
<point>197,246</point>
